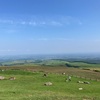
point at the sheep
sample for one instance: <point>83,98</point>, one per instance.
<point>86,82</point>
<point>63,73</point>
<point>80,88</point>
<point>69,78</point>
<point>45,75</point>
<point>81,82</point>
<point>2,77</point>
<point>12,78</point>
<point>48,84</point>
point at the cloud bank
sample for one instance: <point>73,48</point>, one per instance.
<point>40,21</point>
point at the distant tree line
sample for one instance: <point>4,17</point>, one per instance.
<point>69,65</point>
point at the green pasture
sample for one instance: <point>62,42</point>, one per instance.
<point>52,63</point>
<point>84,65</point>
<point>29,85</point>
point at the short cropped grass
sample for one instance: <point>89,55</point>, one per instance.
<point>30,86</point>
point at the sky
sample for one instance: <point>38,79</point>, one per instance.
<point>49,26</point>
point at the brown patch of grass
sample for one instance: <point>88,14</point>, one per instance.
<point>60,69</point>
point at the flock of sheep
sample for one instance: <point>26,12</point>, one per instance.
<point>68,79</point>
<point>10,78</point>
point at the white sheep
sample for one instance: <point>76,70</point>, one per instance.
<point>48,84</point>
<point>80,88</point>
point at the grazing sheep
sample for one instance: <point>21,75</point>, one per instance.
<point>63,73</point>
<point>48,84</point>
<point>2,77</point>
<point>12,78</point>
<point>80,88</point>
<point>45,75</point>
<point>86,82</point>
<point>81,82</point>
<point>69,78</point>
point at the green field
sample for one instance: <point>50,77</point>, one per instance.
<point>29,85</point>
<point>29,82</point>
<point>53,63</point>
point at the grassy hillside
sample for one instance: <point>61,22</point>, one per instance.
<point>29,80</point>
<point>52,62</point>
<point>29,85</point>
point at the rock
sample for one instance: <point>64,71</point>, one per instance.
<point>48,84</point>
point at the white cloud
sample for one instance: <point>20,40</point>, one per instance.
<point>69,20</point>
<point>32,23</point>
<point>51,21</point>
<point>6,21</point>
<point>23,23</point>
<point>55,23</point>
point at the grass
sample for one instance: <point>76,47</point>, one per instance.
<point>53,63</point>
<point>29,85</point>
<point>84,65</point>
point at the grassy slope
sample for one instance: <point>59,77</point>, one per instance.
<point>53,63</point>
<point>29,86</point>
<point>84,65</point>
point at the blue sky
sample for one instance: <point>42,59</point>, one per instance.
<point>49,26</point>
